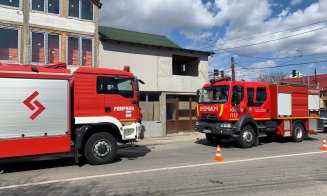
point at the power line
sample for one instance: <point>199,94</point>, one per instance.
<point>268,41</point>
<point>284,65</point>
<point>276,32</point>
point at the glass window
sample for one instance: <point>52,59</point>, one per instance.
<point>53,6</point>
<point>38,5</point>
<point>250,92</point>
<point>13,3</point>
<point>121,86</point>
<point>37,47</point>
<point>238,94</point>
<point>74,8</point>
<point>87,52</point>
<point>216,94</point>
<point>261,95</point>
<point>87,10</point>
<point>73,51</point>
<point>9,44</point>
<point>171,111</point>
<point>53,49</point>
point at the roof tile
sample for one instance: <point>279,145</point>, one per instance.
<point>136,37</point>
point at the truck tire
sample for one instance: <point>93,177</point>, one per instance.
<point>100,148</point>
<point>247,137</point>
<point>212,138</point>
<point>298,132</point>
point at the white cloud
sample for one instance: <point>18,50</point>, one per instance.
<point>312,65</point>
<point>323,67</point>
<point>235,19</point>
<point>253,71</point>
<point>296,2</point>
<point>156,16</point>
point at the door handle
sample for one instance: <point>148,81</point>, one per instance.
<point>107,110</point>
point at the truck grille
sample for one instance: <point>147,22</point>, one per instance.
<point>209,117</point>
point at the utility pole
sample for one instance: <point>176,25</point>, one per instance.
<point>316,82</point>
<point>233,69</point>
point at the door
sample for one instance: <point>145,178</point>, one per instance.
<point>118,95</point>
<point>172,115</point>
<point>257,103</point>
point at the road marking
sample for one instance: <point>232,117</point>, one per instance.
<point>152,170</point>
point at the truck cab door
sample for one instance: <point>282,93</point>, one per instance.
<point>238,104</point>
<point>258,102</point>
<point>118,98</point>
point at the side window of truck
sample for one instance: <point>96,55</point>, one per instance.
<point>238,94</point>
<point>261,95</point>
<point>120,86</point>
<point>250,92</point>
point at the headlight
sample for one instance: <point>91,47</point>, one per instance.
<point>226,125</point>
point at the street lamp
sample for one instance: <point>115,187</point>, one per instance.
<point>300,51</point>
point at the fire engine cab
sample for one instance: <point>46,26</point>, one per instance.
<point>249,110</point>
<point>47,109</point>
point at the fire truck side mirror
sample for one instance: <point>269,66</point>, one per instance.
<point>197,97</point>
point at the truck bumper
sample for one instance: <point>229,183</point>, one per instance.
<point>214,128</point>
<point>131,131</point>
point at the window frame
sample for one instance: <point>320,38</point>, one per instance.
<point>18,47</point>
<point>256,95</point>
<point>46,8</point>
<point>79,11</point>
<point>80,48</point>
<point>104,90</point>
<point>13,7</point>
<point>46,46</point>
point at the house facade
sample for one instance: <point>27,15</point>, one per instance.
<point>171,74</point>
<point>49,31</point>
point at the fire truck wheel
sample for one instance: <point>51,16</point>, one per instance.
<point>100,148</point>
<point>212,138</point>
<point>247,137</point>
<point>298,132</point>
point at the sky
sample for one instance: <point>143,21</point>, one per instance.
<point>263,36</point>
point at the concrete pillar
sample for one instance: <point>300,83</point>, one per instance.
<point>26,33</point>
<point>163,116</point>
<point>96,36</point>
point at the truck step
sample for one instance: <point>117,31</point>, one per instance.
<point>262,135</point>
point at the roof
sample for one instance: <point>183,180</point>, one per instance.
<point>135,37</point>
<point>321,79</point>
<point>121,35</point>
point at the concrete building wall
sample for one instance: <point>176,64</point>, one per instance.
<point>153,65</point>
<point>60,23</point>
<point>10,15</point>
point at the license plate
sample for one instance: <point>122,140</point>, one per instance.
<point>206,131</point>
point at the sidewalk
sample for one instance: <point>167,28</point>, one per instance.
<point>172,138</point>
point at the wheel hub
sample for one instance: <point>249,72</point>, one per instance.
<point>298,132</point>
<point>247,136</point>
<point>101,148</point>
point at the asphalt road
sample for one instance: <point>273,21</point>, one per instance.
<point>178,165</point>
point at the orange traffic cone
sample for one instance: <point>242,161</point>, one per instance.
<point>218,154</point>
<point>324,145</point>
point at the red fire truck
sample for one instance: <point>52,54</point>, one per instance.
<point>48,109</point>
<point>249,110</point>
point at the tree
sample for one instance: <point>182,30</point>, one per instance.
<point>273,77</point>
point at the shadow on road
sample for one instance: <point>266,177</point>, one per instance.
<point>65,160</point>
<point>232,143</point>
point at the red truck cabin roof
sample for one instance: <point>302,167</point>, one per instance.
<point>103,71</point>
<point>243,83</point>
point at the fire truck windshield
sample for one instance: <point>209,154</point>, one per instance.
<point>215,94</point>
